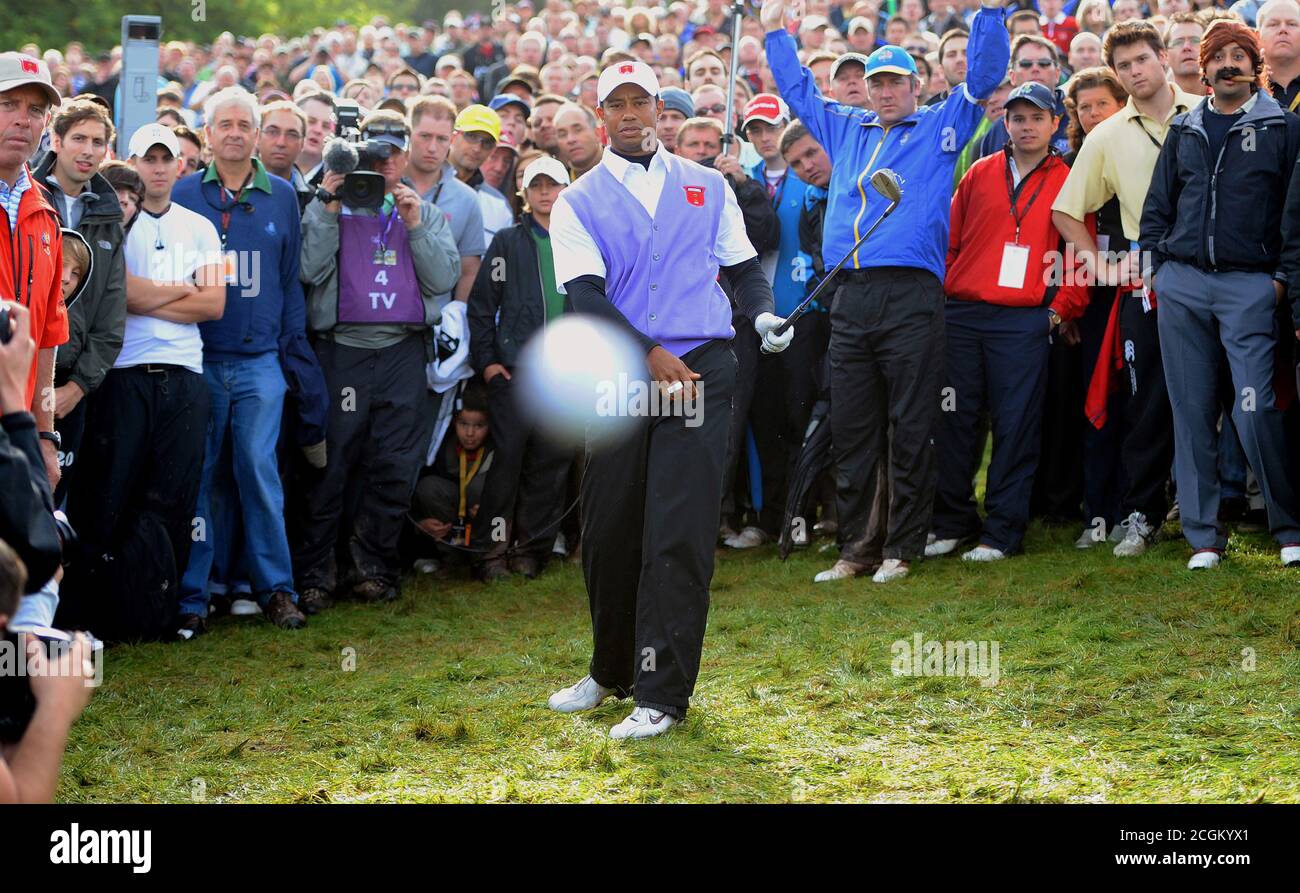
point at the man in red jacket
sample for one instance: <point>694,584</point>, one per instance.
<point>1000,315</point>
<point>31,244</point>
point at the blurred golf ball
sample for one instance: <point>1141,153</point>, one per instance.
<point>576,375</point>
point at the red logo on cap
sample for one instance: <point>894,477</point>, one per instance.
<point>31,65</point>
<point>626,68</point>
<point>695,195</point>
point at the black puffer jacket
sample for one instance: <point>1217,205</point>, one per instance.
<point>97,318</point>
<point>26,507</point>
<point>1221,213</point>
<point>506,304</point>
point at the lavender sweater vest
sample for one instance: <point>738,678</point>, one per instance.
<point>660,272</point>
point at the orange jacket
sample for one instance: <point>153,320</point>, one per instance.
<point>31,270</point>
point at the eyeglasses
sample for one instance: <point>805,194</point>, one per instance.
<point>710,109</point>
<point>1040,63</point>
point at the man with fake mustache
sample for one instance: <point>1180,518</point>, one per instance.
<point>1213,255</point>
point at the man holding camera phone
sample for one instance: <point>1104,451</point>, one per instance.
<point>30,551</point>
<point>376,281</point>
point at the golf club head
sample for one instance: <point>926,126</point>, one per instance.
<point>888,184</point>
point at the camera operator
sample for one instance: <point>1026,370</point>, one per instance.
<point>29,541</point>
<point>375,277</point>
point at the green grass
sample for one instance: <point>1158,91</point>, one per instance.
<point>1120,681</point>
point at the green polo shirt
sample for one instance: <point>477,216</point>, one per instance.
<point>261,180</point>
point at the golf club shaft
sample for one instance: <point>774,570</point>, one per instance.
<point>821,286</point>
<point>728,131</point>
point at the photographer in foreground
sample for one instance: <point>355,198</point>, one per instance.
<point>29,770</point>
<point>378,262</point>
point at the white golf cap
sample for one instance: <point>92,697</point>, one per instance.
<point>636,72</point>
<point>153,135</point>
<point>546,166</point>
<point>18,70</point>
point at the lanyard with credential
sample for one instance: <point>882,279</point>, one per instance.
<point>1154,141</point>
<point>1013,192</point>
<point>225,209</point>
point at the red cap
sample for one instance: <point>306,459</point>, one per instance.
<point>767,107</point>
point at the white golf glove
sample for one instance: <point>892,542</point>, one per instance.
<point>772,343</point>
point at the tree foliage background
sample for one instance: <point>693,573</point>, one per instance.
<point>97,23</point>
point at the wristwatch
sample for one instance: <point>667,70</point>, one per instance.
<point>53,437</point>
<point>1054,317</point>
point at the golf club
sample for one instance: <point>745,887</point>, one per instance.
<point>888,184</point>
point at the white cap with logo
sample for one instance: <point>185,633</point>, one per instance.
<point>635,72</point>
<point>546,166</point>
<point>151,135</point>
<point>19,70</point>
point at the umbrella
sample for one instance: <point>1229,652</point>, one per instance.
<point>814,458</point>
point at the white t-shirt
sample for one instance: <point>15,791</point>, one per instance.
<point>169,248</point>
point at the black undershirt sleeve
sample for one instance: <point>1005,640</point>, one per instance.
<point>586,294</point>
<point>752,291</point>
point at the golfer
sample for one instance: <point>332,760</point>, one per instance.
<point>886,346</point>
<point>639,240</point>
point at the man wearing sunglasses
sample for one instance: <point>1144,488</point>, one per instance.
<point>377,280</point>
<point>1034,59</point>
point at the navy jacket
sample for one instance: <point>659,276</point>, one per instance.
<point>264,229</point>
<point>1221,214</point>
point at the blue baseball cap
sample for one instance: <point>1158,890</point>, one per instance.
<point>890,60</point>
<point>1035,94</point>
<point>502,100</point>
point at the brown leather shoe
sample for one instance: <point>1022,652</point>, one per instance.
<point>375,591</point>
<point>313,600</point>
<point>494,569</point>
<point>281,611</point>
<point>526,565</point>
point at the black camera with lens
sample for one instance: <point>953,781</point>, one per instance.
<point>17,703</point>
<point>356,157</point>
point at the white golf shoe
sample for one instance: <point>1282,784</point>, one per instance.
<point>1291,556</point>
<point>749,538</point>
<point>841,570</point>
<point>1202,559</point>
<point>890,569</point>
<point>984,553</point>
<point>585,694</point>
<point>643,723</point>
<point>940,547</point>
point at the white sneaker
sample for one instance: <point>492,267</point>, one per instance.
<point>1291,556</point>
<point>749,538</point>
<point>940,547</point>
<point>984,553</point>
<point>841,570</point>
<point>585,694</point>
<point>891,569</point>
<point>1138,536</point>
<point>1202,559</point>
<point>643,723</point>
<point>560,546</point>
<point>244,607</point>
